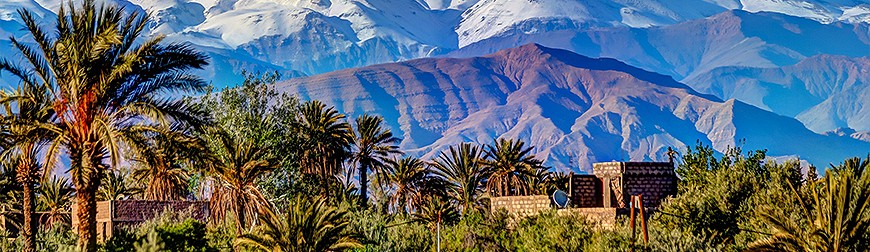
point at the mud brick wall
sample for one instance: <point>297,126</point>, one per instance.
<point>142,210</point>
<point>586,191</point>
<point>653,188</point>
<point>521,205</point>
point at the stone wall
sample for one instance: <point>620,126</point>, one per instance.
<point>602,217</point>
<point>521,205</point>
<point>586,191</point>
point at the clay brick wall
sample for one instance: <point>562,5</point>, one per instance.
<point>142,210</point>
<point>654,188</point>
<point>586,191</point>
<point>521,205</point>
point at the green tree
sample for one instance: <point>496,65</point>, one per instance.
<point>513,169</point>
<point>373,145</point>
<point>255,111</point>
<point>327,140</point>
<point>103,82</point>
<point>834,216</point>
<point>462,168</point>
<point>718,197</point>
<point>309,225</point>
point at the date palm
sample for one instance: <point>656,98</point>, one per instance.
<point>23,111</point>
<point>115,186</point>
<point>835,216</point>
<point>373,145</point>
<point>462,168</point>
<point>103,81</point>
<point>232,182</point>
<point>308,226</point>
<point>408,177</point>
<point>512,168</point>
<point>327,142</point>
<point>162,160</point>
<point>55,197</point>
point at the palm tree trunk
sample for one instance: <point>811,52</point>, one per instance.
<point>29,227</point>
<point>240,216</point>
<point>363,186</point>
<point>86,198</point>
<point>87,216</point>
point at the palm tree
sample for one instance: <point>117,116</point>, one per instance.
<point>116,187</point>
<point>374,144</point>
<point>308,226</point>
<point>835,217</point>
<point>161,161</point>
<point>104,82</point>
<point>327,140</point>
<point>462,168</point>
<point>55,196</point>
<point>512,167</point>
<point>435,212</point>
<point>408,177</point>
<point>24,110</point>
<point>233,178</point>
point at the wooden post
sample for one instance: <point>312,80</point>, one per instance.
<point>631,221</point>
<point>642,219</point>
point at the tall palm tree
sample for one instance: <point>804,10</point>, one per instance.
<point>835,216</point>
<point>162,162</point>
<point>512,167</point>
<point>308,226</point>
<point>327,139</point>
<point>374,144</point>
<point>408,177</point>
<point>104,81</point>
<point>233,178</point>
<point>23,111</point>
<point>55,196</point>
<point>462,167</point>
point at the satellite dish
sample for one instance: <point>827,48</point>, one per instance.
<point>561,199</point>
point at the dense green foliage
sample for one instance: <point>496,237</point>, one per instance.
<point>282,174</point>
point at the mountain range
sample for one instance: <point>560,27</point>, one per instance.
<point>575,109</point>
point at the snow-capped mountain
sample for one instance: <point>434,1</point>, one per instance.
<point>687,49</point>
<point>825,92</point>
<point>303,37</point>
<point>576,110</point>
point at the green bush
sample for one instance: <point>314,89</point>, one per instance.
<point>550,231</point>
<point>169,231</point>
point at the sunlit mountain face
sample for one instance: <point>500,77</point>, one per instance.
<point>774,72</point>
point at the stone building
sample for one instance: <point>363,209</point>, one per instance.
<point>620,180</point>
<point>116,214</point>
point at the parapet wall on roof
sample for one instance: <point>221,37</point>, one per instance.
<point>612,169</point>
